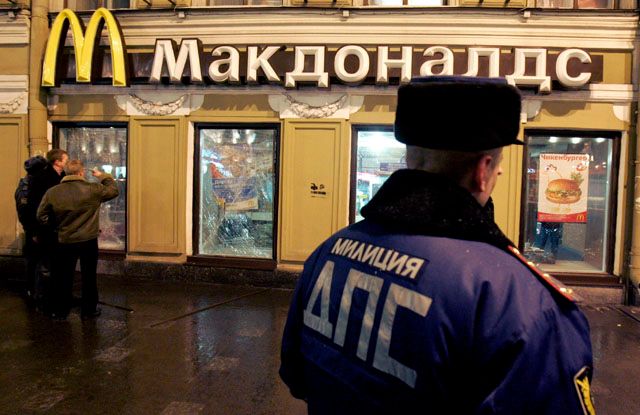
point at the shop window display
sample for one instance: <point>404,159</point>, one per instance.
<point>568,202</point>
<point>236,194</point>
<point>104,148</point>
<point>378,155</point>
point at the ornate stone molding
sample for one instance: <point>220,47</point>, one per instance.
<point>301,105</point>
<point>622,112</point>
<point>304,110</point>
<point>13,94</point>
<point>156,108</point>
<point>11,106</point>
<point>159,103</point>
<point>530,109</point>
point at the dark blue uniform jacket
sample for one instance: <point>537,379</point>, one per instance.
<point>423,308</point>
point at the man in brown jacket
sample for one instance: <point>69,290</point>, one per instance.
<point>73,209</point>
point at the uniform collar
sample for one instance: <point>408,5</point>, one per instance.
<point>72,178</point>
<point>418,202</point>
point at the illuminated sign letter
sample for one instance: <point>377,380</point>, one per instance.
<point>83,44</point>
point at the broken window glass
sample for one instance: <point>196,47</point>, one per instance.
<point>104,148</point>
<point>237,178</point>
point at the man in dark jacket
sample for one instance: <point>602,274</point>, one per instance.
<point>425,306</point>
<point>40,240</point>
<point>73,208</point>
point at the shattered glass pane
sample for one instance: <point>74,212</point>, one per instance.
<point>104,148</point>
<point>237,176</point>
<point>379,155</point>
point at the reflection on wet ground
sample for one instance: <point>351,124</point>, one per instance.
<point>185,349</point>
<point>209,349</point>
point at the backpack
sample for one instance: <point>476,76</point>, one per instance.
<point>33,166</point>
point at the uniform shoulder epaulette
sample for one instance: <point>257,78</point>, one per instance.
<point>546,279</point>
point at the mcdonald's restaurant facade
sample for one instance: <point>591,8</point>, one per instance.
<point>241,137</point>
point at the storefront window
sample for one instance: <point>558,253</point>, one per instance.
<point>406,2</point>
<point>576,4</point>
<point>568,203</point>
<point>378,154</point>
<point>104,148</point>
<point>236,191</point>
<point>244,2</point>
<point>75,5</point>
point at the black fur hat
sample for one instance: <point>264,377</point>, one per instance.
<point>458,113</point>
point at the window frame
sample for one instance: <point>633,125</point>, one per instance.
<point>114,254</point>
<point>605,277</point>
<point>231,261</point>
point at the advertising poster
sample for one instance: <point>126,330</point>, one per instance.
<point>563,186</point>
<point>238,193</point>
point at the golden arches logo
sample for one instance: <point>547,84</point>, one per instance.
<point>83,44</point>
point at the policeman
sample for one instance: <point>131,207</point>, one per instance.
<point>425,306</point>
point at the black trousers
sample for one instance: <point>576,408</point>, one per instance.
<point>38,257</point>
<point>32,252</point>
<point>64,269</point>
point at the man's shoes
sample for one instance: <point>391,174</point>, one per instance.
<point>92,314</point>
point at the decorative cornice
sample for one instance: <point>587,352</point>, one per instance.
<point>318,105</point>
<point>13,94</point>
<point>11,106</point>
<point>390,26</point>
<point>615,93</point>
<point>14,31</point>
<point>159,103</point>
<point>156,108</point>
<point>622,112</point>
<point>304,110</point>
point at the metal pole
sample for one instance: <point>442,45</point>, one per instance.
<point>38,143</point>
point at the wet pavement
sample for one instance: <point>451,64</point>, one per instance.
<point>176,348</point>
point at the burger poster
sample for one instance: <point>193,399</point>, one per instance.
<point>563,186</point>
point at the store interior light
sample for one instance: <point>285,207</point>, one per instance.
<point>576,140</point>
<point>553,140</point>
<point>379,141</point>
<point>600,140</point>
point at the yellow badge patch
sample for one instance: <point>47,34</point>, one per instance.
<point>581,380</point>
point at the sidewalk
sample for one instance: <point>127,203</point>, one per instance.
<point>176,348</point>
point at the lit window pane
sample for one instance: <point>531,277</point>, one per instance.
<point>378,155</point>
<point>561,4</point>
<point>595,4</point>
<point>385,2</point>
<point>425,3</point>
<point>409,3</point>
<point>567,211</point>
<point>237,178</point>
<point>104,148</point>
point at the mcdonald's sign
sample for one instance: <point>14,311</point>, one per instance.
<point>83,44</point>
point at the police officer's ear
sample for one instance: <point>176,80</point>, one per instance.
<point>482,179</point>
<point>482,174</point>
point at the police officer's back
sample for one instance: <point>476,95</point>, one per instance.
<point>425,306</point>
